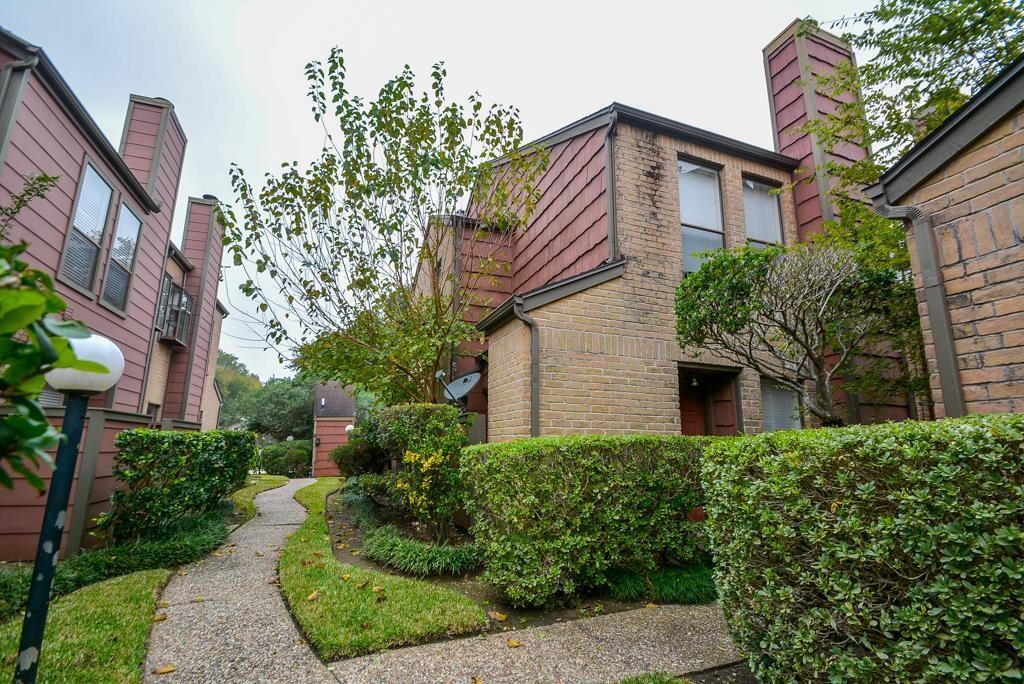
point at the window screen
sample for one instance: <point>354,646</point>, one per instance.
<point>700,208</point>
<point>764,218</point>
<point>83,244</point>
<point>780,406</point>
<point>122,258</point>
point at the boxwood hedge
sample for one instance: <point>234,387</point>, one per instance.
<point>554,516</point>
<point>873,553</point>
<point>165,476</point>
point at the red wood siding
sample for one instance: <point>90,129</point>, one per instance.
<point>21,509</point>
<point>45,139</point>
<point>568,232</point>
<point>331,433</point>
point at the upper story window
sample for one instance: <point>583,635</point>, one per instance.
<point>82,250</point>
<point>122,258</point>
<point>175,312</point>
<point>700,206</point>
<point>764,214</point>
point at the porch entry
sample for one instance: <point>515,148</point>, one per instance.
<point>708,401</point>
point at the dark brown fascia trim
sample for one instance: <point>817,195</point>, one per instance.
<point>609,167</point>
<point>179,257</point>
<point>702,137</point>
<point>61,91</point>
<point>552,292</point>
<point>588,123</point>
<point>977,116</point>
<point>935,302</point>
<point>222,309</point>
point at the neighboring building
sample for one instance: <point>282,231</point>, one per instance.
<point>960,191</point>
<point>581,333</point>
<point>334,410</point>
<point>103,233</point>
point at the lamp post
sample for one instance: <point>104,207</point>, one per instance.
<point>78,386</point>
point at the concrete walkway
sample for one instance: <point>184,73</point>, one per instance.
<point>226,621</point>
<point>674,639</point>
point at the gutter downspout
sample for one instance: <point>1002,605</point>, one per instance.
<point>935,301</point>
<point>517,311</point>
<point>12,81</point>
<point>609,152</point>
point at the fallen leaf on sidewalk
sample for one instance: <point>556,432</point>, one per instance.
<point>477,680</point>
<point>164,669</point>
<point>513,643</point>
<point>159,617</point>
<point>183,572</point>
<point>495,615</point>
<point>314,596</point>
<point>198,598</point>
<point>651,605</point>
<point>162,604</point>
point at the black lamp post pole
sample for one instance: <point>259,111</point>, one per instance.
<point>48,551</point>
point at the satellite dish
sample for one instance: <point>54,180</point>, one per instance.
<point>461,385</point>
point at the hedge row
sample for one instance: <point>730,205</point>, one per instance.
<point>554,516</point>
<point>166,476</point>
<point>291,459</point>
<point>883,553</point>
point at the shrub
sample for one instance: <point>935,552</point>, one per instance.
<point>552,516</point>
<point>388,547</point>
<point>291,459</point>
<point>359,456</point>
<point>426,440</point>
<point>188,540</point>
<point>690,585</point>
<point>873,553</point>
<point>167,475</point>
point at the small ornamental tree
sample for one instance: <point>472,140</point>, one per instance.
<point>800,316</point>
<point>361,264</point>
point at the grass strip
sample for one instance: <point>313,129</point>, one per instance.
<point>345,610</point>
<point>653,678</point>
<point>243,498</point>
<point>388,547</point>
<point>96,634</point>
<point>192,539</point>
<point>694,584</point>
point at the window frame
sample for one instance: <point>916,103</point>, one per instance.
<point>166,283</point>
<point>91,291</point>
<point>110,258</point>
<point>770,185</point>
<point>711,166</point>
<point>178,305</point>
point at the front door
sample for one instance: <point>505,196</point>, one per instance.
<point>692,411</point>
<point>707,402</point>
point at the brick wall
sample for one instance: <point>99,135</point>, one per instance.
<point>977,208</point>
<point>209,412</point>
<point>609,358</point>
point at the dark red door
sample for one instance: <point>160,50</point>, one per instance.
<point>692,411</point>
<point>723,408</point>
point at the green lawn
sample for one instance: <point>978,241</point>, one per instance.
<point>347,611</point>
<point>95,634</point>
<point>254,485</point>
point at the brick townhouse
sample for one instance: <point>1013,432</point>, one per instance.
<point>960,192</point>
<point>580,335</point>
<point>103,233</point>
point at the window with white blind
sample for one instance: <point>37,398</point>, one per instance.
<point>780,407</point>
<point>82,250</point>
<point>764,215</point>
<point>122,258</point>
<point>700,208</point>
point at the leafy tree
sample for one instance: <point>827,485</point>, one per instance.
<point>281,408</point>
<point>236,382</point>
<point>800,316</point>
<point>31,344</point>
<point>354,261</point>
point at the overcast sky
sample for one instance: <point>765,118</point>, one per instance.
<point>234,70</point>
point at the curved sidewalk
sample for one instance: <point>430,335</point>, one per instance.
<point>226,620</point>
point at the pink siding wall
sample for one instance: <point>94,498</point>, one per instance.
<point>568,232</point>
<point>45,139</point>
<point>185,384</point>
<point>331,433</point>
<point>792,67</point>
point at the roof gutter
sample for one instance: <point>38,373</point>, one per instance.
<point>935,301</point>
<point>517,311</point>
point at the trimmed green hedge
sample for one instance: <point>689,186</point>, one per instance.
<point>554,516</point>
<point>291,459</point>
<point>873,553</point>
<point>166,475</point>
